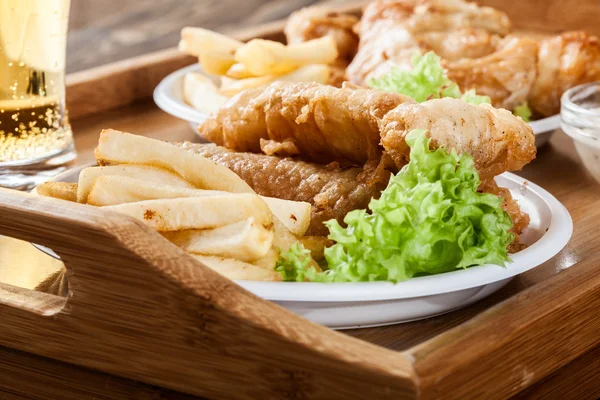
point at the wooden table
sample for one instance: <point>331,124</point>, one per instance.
<point>557,169</point>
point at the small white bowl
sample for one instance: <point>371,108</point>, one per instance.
<point>168,95</point>
<point>580,119</point>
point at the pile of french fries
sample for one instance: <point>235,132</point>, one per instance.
<point>241,66</point>
<point>196,204</point>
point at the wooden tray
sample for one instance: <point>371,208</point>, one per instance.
<point>144,320</point>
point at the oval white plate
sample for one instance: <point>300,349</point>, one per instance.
<point>350,305</point>
<point>168,96</point>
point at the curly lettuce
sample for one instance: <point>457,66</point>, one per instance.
<point>426,80</point>
<point>523,111</point>
<point>430,219</point>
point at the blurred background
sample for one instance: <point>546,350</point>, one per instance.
<point>110,30</point>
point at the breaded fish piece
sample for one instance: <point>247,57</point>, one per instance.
<point>565,61</point>
<point>391,31</point>
<point>496,139</point>
<point>355,126</point>
<point>506,75</point>
<point>324,123</point>
<point>332,191</point>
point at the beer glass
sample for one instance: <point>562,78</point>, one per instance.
<point>36,141</point>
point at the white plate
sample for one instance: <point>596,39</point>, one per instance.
<point>349,305</point>
<point>168,95</point>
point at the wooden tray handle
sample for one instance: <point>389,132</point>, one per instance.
<point>141,308</point>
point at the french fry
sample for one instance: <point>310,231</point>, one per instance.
<point>215,51</point>
<point>58,190</point>
<point>113,190</point>
<point>238,270</point>
<point>201,93</point>
<point>245,241</point>
<point>295,215</point>
<point>238,71</point>
<point>231,87</point>
<point>268,261</point>
<point>309,73</point>
<point>88,177</point>
<point>318,73</point>
<point>120,147</point>
<point>265,57</point>
<point>209,212</point>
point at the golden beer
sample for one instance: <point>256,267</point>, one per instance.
<point>33,124</point>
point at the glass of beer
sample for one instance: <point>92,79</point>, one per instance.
<point>36,141</point>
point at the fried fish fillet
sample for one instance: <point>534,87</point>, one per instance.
<point>391,31</point>
<point>565,61</point>
<point>472,42</point>
<point>324,123</point>
<point>332,191</point>
<point>496,139</point>
<point>507,75</point>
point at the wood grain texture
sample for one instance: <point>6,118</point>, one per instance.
<point>534,336</point>
<point>551,16</point>
<point>26,376</point>
<point>122,83</point>
<point>141,308</point>
<point>121,29</point>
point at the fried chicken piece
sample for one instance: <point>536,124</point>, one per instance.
<point>332,191</point>
<point>391,31</point>
<point>507,75</point>
<point>565,61</point>
<point>496,139</point>
<point>315,22</point>
<point>323,122</point>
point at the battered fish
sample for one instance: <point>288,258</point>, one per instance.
<point>331,190</point>
<point>496,139</point>
<point>324,123</point>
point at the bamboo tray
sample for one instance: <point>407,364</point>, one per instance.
<point>144,320</point>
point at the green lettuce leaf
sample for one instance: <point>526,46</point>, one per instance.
<point>426,80</point>
<point>523,111</point>
<point>293,264</point>
<point>430,219</point>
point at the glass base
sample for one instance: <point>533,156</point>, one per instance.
<point>27,176</point>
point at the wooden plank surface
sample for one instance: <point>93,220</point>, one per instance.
<point>105,31</point>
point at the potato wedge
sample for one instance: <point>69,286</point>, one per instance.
<point>265,57</point>
<point>58,190</point>
<point>198,212</point>
<point>88,177</point>
<point>238,270</point>
<point>201,93</point>
<point>215,51</point>
<point>113,190</point>
<point>245,241</point>
<point>120,147</point>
